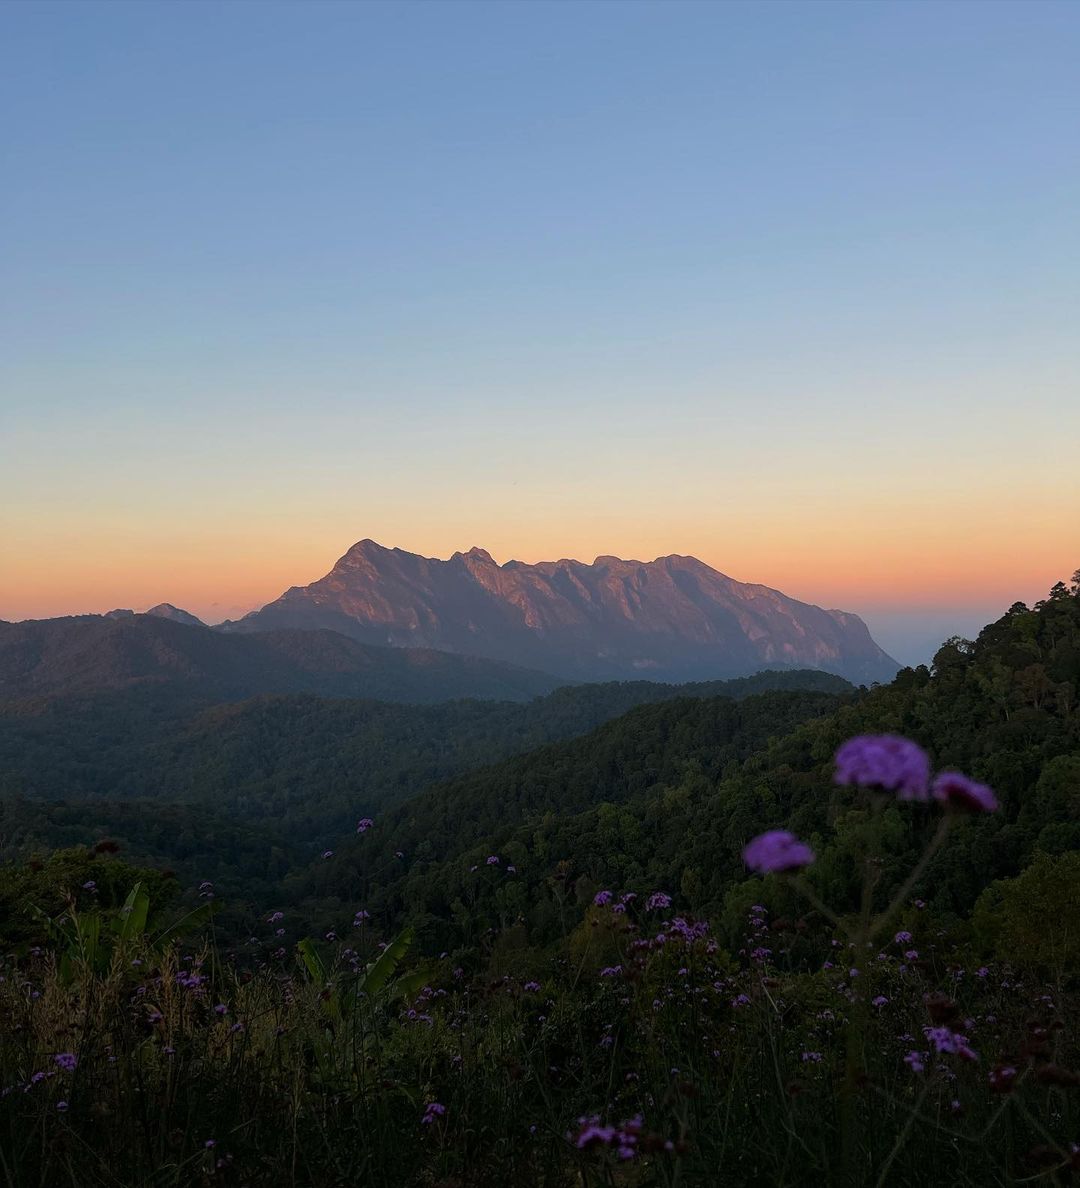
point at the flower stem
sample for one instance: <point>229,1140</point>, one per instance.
<point>905,890</point>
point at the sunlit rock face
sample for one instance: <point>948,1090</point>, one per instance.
<point>671,619</point>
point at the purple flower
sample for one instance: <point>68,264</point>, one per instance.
<point>957,791</point>
<point>902,937</point>
<point>89,885</point>
<point>274,917</point>
<point>658,899</point>
<point>601,898</point>
<point>949,1043</point>
<point>328,853</point>
<point>884,761</point>
<point>364,824</point>
<point>493,860</point>
<point>360,918</point>
<point>880,1001</point>
<point>777,850</point>
<point>914,1061</point>
<point>432,1110</point>
<point>591,1133</point>
<point>66,1060</point>
<point>611,971</point>
<point>61,1106</point>
<point>531,987</point>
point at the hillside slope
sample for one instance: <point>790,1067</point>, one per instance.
<point>93,653</point>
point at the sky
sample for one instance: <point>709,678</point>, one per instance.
<point>793,288</point>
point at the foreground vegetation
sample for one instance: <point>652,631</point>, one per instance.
<point>575,987</point>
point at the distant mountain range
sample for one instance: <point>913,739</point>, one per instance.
<point>672,619</point>
<point>91,654</point>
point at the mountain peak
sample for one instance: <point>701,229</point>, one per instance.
<point>674,618</point>
<point>166,610</point>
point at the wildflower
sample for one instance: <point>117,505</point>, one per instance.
<point>880,1001</point>
<point>591,1133</point>
<point>361,917</point>
<point>364,824</point>
<point>658,899</point>
<point>210,1144</point>
<point>914,1061</point>
<point>89,885</point>
<point>61,1106</point>
<point>432,1110</point>
<point>221,1009</point>
<point>611,971</point>
<point>902,938</point>
<point>601,898</point>
<point>777,850</point>
<point>956,790</point>
<point>399,853</point>
<point>884,761</point>
<point>511,869</point>
<point>328,854</point>
<point>531,987</point>
<point>949,1043</point>
<point>66,1061</point>
<point>493,860</point>
<point>811,1058</point>
<point>274,917</point>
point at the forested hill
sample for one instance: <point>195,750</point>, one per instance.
<point>92,654</point>
<point>248,791</point>
<point>666,797</point>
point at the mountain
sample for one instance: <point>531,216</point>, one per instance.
<point>166,610</point>
<point>93,653</point>
<point>672,619</point>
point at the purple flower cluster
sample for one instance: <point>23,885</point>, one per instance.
<point>364,824</point>
<point>658,899</point>
<point>623,1138</point>
<point>948,1043</point>
<point>955,790</point>
<point>432,1111</point>
<point>885,761</point>
<point>776,851</point>
<point>894,764</point>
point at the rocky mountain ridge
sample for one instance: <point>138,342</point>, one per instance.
<point>671,619</point>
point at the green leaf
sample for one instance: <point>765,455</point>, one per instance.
<point>409,985</point>
<point>381,970</point>
<point>314,963</point>
<point>132,921</point>
<point>194,920</point>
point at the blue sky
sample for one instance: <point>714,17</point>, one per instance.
<point>793,287</point>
